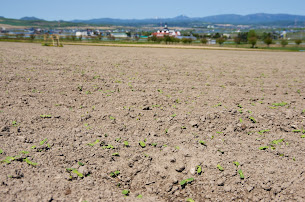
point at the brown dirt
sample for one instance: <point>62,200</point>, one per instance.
<point>172,97</point>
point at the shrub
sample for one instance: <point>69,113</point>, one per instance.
<point>252,41</point>
<point>268,41</point>
<point>204,41</point>
<point>298,41</point>
<point>284,42</point>
<point>220,40</point>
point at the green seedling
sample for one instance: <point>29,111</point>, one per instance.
<point>24,152</point>
<point>1,151</point>
<point>43,141</point>
<point>240,120</point>
<point>126,143</point>
<point>33,147</point>
<point>236,163</point>
<point>303,112</point>
<point>14,123</point>
<point>142,144</point>
<point>140,196</point>
<point>277,141</point>
<point>45,116</point>
<point>201,142</point>
<point>199,170</point>
<point>30,162</point>
<point>125,192</point>
<point>303,136</point>
<point>8,159</point>
<point>296,131</point>
<point>239,106</point>
<point>118,139</point>
<point>114,174</point>
<point>173,115</point>
<point>184,182</point>
<point>281,104</point>
<point>220,167</point>
<point>263,148</point>
<point>80,163</point>
<point>241,175</point>
<point>112,118</point>
<point>190,200</point>
<point>177,147</point>
<point>222,152</point>
<point>73,170</point>
<point>115,154</point>
<point>94,143</point>
<point>252,119</point>
<point>262,131</point>
<point>240,111</point>
<point>154,144</point>
<point>108,147</point>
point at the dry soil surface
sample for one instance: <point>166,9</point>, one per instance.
<point>83,123</point>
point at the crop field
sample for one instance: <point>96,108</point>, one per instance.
<point>83,123</point>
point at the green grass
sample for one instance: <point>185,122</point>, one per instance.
<point>220,167</point>
<point>281,104</point>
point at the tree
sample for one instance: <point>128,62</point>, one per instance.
<point>73,37</point>
<point>80,37</point>
<point>237,40</point>
<point>298,41</point>
<point>186,40</point>
<point>252,41</point>
<point>252,38</point>
<point>32,36</point>
<point>204,41</point>
<point>284,42</point>
<point>220,40</point>
<point>268,41</point>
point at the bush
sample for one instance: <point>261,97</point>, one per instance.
<point>220,40</point>
<point>204,41</point>
<point>284,42</point>
<point>73,37</point>
<point>268,41</point>
<point>80,37</point>
<point>298,41</point>
<point>186,40</point>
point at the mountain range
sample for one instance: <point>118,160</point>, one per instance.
<point>181,20</point>
<point>254,19</point>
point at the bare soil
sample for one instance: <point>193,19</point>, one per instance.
<point>65,114</point>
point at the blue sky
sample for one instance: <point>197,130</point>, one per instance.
<point>140,9</point>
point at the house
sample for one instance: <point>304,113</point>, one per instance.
<point>119,35</point>
<point>166,32</point>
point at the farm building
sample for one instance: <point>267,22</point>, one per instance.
<point>166,32</point>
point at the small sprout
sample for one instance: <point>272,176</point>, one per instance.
<point>14,123</point>
<point>115,154</point>
<point>118,139</point>
<point>126,144</point>
<point>236,163</point>
<point>262,131</point>
<point>112,118</point>
<point>201,142</point>
<point>24,152</point>
<point>303,136</point>
<point>177,147</point>
<point>108,147</point>
<point>252,119</point>
<point>220,167</point>
<point>45,116</point>
<point>173,115</point>
<point>239,106</point>
<point>125,192</point>
<point>80,163</point>
<point>43,141</point>
<point>280,104</point>
<point>222,152</point>
<point>77,173</point>
<point>293,158</point>
<point>94,143</point>
<point>241,175</point>
<point>30,162</point>
<point>240,120</point>
<point>263,148</point>
<point>154,144</point>
<point>8,159</point>
<point>140,196</point>
<point>33,147</point>
<point>277,141</point>
<point>190,200</point>
<point>184,182</point>
<point>1,151</point>
<point>115,173</point>
<point>199,170</point>
<point>303,112</point>
<point>142,144</point>
<point>296,131</point>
